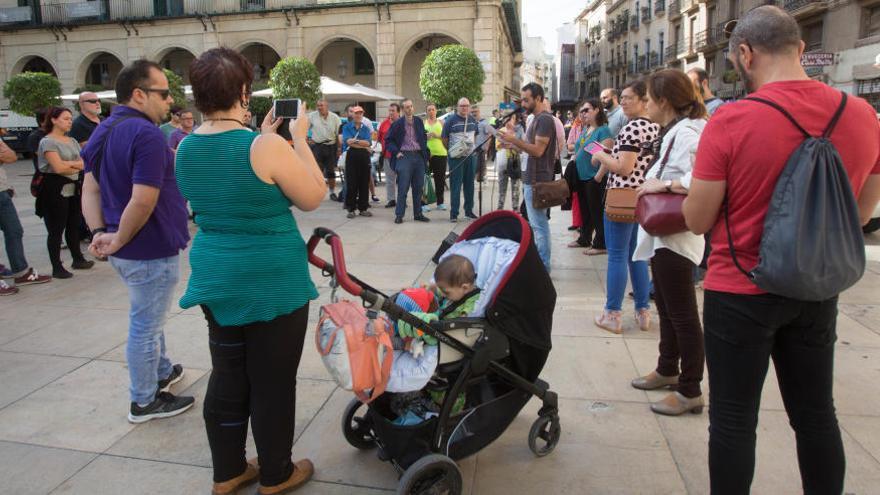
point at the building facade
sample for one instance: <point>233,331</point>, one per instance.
<point>625,39</point>
<point>381,45</point>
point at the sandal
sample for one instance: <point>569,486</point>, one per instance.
<point>595,252</point>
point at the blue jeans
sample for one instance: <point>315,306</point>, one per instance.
<point>462,173</point>
<point>410,175</point>
<point>12,234</point>
<point>540,226</point>
<point>150,289</point>
<point>620,240</point>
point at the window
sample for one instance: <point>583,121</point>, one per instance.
<point>710,66</point>
<point>870,90</point>
<point>660,39</point>
<point>812,36</point>
<point>710,17</point>
<point>691,34</point>
<point>733,8</point>
<point>647,47</point>
<point>870,21</point>
<point>363,62</point>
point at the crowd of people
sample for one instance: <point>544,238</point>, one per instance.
<point>665,134</point>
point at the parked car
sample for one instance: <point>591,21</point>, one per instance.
<point>18,127</point>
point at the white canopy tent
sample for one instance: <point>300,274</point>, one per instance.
<point>334,90</point>
<point>111,94</point>
<point>379,94</point>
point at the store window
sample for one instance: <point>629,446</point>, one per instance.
<point>870,91</point>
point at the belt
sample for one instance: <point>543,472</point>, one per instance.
<point>328,143</point>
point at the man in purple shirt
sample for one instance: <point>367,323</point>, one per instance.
<point>139,219</point>
<point>407,142</point>
<point>186,127</point>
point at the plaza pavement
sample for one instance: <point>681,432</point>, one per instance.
<point>64,393</point>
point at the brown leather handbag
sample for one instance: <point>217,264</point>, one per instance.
<point>620,204</point>
<point>660,214</point>
<point>549,194</point>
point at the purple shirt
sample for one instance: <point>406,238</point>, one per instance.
<point>409,137</point>
<point>176,137</point>
<point>138,153</point>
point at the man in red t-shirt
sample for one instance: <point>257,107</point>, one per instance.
<point>390,175</point>
<point>742,152</point>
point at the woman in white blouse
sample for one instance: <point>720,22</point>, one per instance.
<point>675,104</point>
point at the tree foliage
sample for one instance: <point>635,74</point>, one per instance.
<point>175,84</point>
<point>30,91</point>
<point>452,72</point>
<point>260,105</point>
<point>296,77</point>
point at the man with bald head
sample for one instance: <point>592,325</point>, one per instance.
<point>459,136</point>
<point>89,117</point>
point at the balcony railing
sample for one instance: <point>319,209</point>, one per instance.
<point>674,10</point>
<point>659,7</point>
<point>632,67</point>
<point>673,50</point>
<point>711,38</point>
<point>642,63</point>
<point>64,13</point>
<point>804,8</point>
<point>646,15</point>
<point>654,60</point>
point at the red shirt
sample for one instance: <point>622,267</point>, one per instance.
<point>748,144</point>
<point>383,132</point>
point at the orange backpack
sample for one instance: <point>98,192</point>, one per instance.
<point>356,348</point>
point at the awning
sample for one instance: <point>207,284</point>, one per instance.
<point>380,94</point>
<point>111,94</point>
<point>334,90</point>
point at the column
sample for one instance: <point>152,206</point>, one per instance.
<point>485,46</point>
<point>295,46</point>
<point>386,71</point>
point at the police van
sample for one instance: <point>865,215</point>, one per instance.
<point>18,127</point>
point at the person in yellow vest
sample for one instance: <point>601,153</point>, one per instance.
<point>437,160</point>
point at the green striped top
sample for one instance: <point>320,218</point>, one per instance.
<point>248,258</point>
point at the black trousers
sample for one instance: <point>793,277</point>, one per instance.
<point>681,336</point>
<point>742,333</point>
<point>591,195</point>
<point>357,179</point>
<point>253,375</point>
<point>437,165</point>
<point>325,155</point>
<point>62,216</point>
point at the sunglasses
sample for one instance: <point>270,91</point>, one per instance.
<point>163,93</point>
<point>91,101</point>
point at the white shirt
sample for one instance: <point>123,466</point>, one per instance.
<point>679,167</point>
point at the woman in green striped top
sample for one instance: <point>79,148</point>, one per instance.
<point>249,272</point>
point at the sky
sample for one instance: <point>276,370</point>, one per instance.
<point>543,17</point>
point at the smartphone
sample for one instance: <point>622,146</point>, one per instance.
<point>287,109</point>
<point>595,147</point>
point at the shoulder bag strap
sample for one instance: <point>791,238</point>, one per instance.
<point>99,155</point>
<point>665,158</point>
<point>782,111</point>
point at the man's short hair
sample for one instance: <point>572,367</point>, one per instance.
<point>535,89</point>
<point>767,28</point>
<point>395,105</point>
<point>135,75</point>
<point>613,91</point>
<point>406,100</point>
<point>702,75</point>
<point>175,110</point>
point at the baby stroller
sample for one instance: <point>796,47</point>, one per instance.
<point>494,362</point>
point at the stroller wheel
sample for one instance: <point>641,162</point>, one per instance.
<point>434,474</point>
<point>356,429</point>
<point>544,435</point>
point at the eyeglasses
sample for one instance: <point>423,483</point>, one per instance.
<point>91,101</point>
<point>163,93</point>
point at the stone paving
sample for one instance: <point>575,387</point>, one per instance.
<point>64,398</point>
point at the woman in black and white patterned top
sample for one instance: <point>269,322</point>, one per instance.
<point>627,165</point>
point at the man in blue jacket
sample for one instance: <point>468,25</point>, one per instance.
<point>407,142</point>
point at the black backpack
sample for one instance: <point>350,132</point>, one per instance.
<point>812,248</point>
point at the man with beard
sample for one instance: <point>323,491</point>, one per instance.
<point>541,146</point>
<point>616,118</point>
<point>701,82</point>
<point>742,152</point>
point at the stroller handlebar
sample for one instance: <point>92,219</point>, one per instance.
<point>338,266</point>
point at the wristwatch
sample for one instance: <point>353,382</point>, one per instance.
<point>668,184</point>
<point>99,230</point>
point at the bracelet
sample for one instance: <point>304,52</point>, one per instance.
<point>99,230</point>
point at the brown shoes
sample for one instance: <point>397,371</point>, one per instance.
<point>653,381</point>
<point>250,474</point>
<point>303,472</point>
<point>676,404</point>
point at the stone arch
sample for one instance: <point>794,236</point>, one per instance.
<point>411,55</point>
<point>32,61</point>
<point>107,59</point>
<point>176,58</point>
<point>330,39</point>
<point>263,55</point>
<point>349,60</point>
